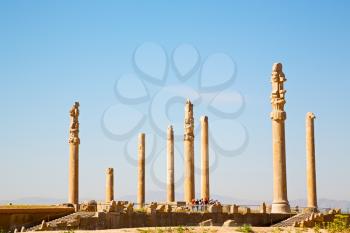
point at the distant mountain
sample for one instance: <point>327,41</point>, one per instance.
<point>324,203</point>
<point>34,200</point>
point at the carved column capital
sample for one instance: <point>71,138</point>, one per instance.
<point>189,121</point>
<point>278,93</point>
<point>74,124</point>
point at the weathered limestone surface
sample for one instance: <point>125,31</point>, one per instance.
<point>109,185</point>
<point>310,162</point>
<point>189,189</point>
<point>278,116</point>
<point>170,165</point>
<point>141,170</point>
<point>205,158</point>
<point>74,141</point>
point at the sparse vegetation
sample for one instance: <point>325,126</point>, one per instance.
<point>317,228</point>
<point>245,229</point>
<point>339,224</point>
<point>180,229</point>
<point>276,230</point>
<point>144,230</point>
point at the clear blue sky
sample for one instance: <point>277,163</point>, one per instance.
<point>53,53</point>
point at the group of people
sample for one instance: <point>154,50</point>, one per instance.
<point>200,204</point>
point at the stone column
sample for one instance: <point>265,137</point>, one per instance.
<point>170,165</point>
<point>205,158</point>
<point>141,170</point>
<point>189,153</point>
<point>280,202</point>
<point>310,163</point>
<point>74,141</point>
<point>109,185</point>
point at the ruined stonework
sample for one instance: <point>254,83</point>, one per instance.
<point>189,189</point>
<point>278,116</point>
<point>74,141</point>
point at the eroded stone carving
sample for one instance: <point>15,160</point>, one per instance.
<point>189,121</point>
<point>74,124</point>
<point>278,93</point>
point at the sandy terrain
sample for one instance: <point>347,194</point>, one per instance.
<point>195,230</point>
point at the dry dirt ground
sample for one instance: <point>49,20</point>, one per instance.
<point>194,230</point>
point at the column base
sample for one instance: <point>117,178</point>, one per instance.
<point>280,207</point>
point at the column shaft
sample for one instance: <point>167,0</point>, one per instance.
<point>170,165</point>
<point>109,185</point>
<point>189,182</point>
<point>205,159</point>
<point>73,196</point>
<point>189,171</point>
<point>310,162</point>
<point>141,170</point>
<point>279,163</point>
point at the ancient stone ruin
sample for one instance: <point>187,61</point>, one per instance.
<point>118,214</point>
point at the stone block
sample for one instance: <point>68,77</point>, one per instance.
<point>234,209</point>
<point>129,208</point>
<point>160,208</point>
<point>216,208</point>
<point>230,223</point>
<point>90,206</point>
<point>152,208</point>
<point>167,208</point>
<point>206,223</point>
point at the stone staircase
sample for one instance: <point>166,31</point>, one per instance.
<point>63,222</point>
<point>292,220</point>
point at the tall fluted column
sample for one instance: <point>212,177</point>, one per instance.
<point>280,202</point>
<point>109,185</point>
<point>189,153</point>
<point>141,170</point>
<point>74,141</point>
<point>170,165</point>
<point>205,158</point>
<point>310,163</point>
